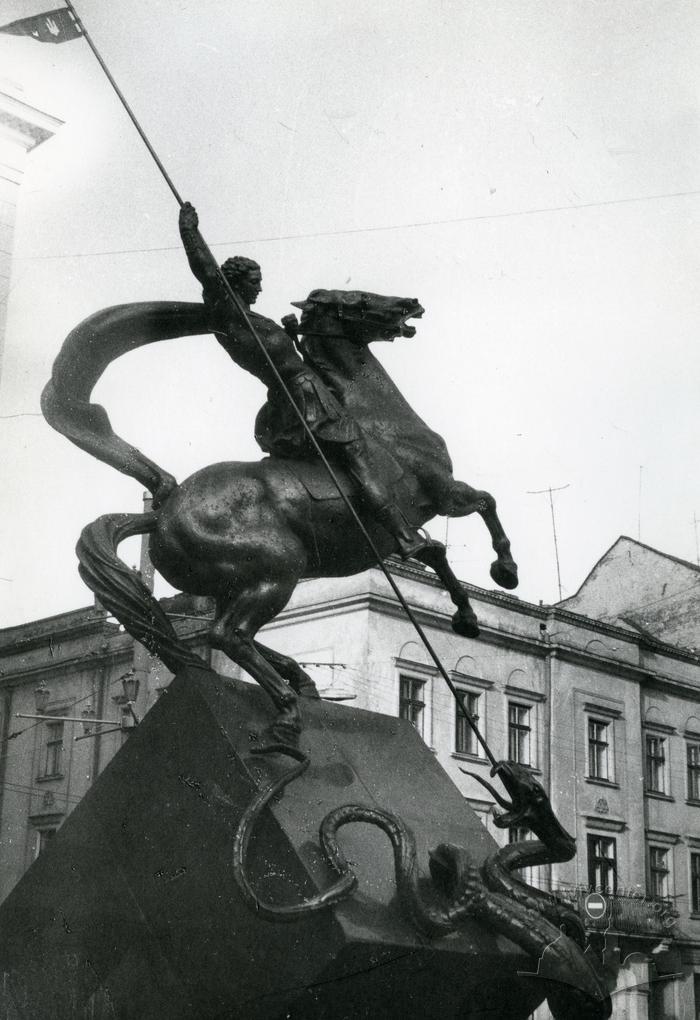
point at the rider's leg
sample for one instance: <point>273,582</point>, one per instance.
<point>379,498</point>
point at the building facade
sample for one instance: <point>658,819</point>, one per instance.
<point>606,714</point>
<point>22,128</point>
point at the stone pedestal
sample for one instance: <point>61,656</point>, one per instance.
<point>133,912</point>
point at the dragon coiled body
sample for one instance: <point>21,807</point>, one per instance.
<point>461,889</point>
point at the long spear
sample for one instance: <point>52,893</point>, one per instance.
<point>41,28</point>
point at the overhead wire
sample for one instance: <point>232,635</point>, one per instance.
<point>378,228</point>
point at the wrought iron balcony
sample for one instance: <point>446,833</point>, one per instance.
<point>626,914</point>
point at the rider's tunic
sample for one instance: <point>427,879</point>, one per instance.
<point>277,428</point>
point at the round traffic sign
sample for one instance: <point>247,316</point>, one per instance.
<point>596,906</point>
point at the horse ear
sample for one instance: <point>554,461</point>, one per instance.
<point>291,326</point>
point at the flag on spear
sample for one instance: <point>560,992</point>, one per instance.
<point>53,26</point>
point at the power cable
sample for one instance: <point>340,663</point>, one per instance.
<point>369,230</point>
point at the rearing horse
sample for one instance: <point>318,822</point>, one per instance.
<point>247,533</point>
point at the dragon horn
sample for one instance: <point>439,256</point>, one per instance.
<point>497,797</point>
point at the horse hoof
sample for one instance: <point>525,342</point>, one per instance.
<point>276,747</point>
<point>505,573</point>
<point>465,625</point>
<point>307,689</point>
<point>278,737</point>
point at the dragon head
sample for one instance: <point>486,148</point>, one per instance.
<point>529,806</point>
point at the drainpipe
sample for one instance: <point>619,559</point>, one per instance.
<point>4,739</point>
<point>142,659</point>
<point>547,728</point>
<point>101,689</point>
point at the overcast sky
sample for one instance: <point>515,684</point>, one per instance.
<point>528,170</point>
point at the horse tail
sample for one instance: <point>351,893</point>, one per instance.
<point>86,352</point>
<point>120,590</point>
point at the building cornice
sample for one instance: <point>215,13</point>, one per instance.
<point>605,824</point>
<point>92,622</point>
<point>552,612</point>
<point>64,627</point>
<point>441,620</point>
<point>29,125</point>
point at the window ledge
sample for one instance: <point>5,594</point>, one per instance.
<point>467,756</point>
<point>692,802</point>
<point>658,795</point>
<point>48,779</point>
<point>609,784</point>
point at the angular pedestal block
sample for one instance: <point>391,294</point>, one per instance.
<point>133,912</point>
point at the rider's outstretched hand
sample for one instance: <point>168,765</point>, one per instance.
<point>189,220</point>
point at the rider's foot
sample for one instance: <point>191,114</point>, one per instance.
<point>433,554</point>
<point>411,543</point>
<point>409,540</point>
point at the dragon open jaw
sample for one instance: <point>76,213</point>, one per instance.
<point>525,792</point>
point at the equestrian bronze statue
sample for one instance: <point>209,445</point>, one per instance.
<point>247,533</point>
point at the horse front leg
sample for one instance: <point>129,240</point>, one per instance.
<point>233,631</point>
<point>461,501</point>
<point>464,621</point>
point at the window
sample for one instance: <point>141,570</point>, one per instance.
<point>658,871</point>
<point>693,761</point>
<point>465,739</point>
<point>602,863</point>
<point>411,701</point>
<point>518,834</point>
<point>695,882</point>
<point>519,733</point>
<point>53,749</point>
<point>598,747</point>
<point>43,838</point>
<point>656,764</point>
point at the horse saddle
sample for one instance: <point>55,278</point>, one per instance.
<point>320,486</point>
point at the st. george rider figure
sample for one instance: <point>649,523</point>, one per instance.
<point>277,428</point>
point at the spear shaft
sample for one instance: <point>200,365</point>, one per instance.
<point>242,311</point>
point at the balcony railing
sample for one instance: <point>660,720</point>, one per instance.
<point>628,915</point>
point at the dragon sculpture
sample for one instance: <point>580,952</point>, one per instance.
<point>460,890</point>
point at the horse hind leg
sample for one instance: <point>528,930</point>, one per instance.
<point>463,500</point>
<point>291,671</point>
<point>238,621</point>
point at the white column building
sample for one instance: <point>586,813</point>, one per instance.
<point>22,128</point>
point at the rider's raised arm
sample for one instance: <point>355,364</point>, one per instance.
<point>201,260</point>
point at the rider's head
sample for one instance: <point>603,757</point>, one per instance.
<point>244,276</point>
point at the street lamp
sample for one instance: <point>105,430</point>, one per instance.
<point>129,719</point>
<point>42,696</point>
<point>88,715</point>
<point>130,684</point>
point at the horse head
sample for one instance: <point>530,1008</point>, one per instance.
<point>357,315</point>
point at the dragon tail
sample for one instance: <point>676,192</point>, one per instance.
<point>120,590</point>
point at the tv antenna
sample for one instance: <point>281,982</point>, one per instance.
<point>550,490</point>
